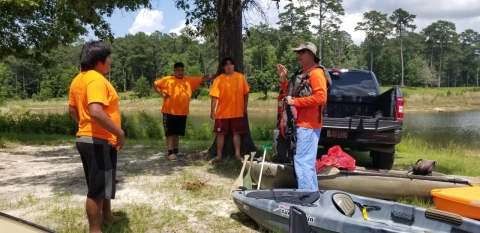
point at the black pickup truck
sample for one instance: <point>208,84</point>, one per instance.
<point>359,116</point>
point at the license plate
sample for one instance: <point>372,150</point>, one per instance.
<point>337,134</point>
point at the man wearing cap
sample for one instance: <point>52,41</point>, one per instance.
<point>308,99</point>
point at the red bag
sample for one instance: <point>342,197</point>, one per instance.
<point>336,157</point>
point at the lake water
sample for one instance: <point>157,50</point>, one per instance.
<point>438,128</point>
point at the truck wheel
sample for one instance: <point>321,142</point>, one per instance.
<point>382,160</point>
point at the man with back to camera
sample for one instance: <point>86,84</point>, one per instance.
<point>93,103</point>
<point>309,104</point>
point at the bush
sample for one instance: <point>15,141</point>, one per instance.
<point>263,133</point>
<point>130,127</point>
<point>204,133</point>
<point>153,128</point>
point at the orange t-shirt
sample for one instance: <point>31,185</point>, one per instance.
<point>308,112</point>
<point>91,87</point>
<point>230,91</point>
<point>180,92</point>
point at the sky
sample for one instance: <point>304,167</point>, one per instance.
<point>165,17</point>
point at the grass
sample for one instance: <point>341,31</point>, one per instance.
<point>416,99</point>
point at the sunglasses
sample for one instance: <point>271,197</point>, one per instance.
<point>301,52</point>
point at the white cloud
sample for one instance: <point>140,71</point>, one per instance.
<point>147,21</point>
<point>349,22</point>
<point>180,26</point>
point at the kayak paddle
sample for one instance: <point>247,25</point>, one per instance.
<point>247,180</point>
<point>265,147</point>
<point>239,181</point>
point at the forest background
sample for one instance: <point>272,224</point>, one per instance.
<point>437,56</point>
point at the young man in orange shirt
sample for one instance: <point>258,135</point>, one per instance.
<point>93,103</point>
<point>230,90</point>
<point>176,92</point>
<point>309,104</point>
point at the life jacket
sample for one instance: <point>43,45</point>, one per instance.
<point>299,86</point>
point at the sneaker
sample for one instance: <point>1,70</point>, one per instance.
<point>179,154</point>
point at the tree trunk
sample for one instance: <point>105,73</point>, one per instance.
<point>440,67</point>
<point>371,60</point>
<point>320,34</point>
<point>468,76</point>
<point>230,45</point>
<point>401,58</point>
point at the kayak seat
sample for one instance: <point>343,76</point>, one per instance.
<point>344,204</point>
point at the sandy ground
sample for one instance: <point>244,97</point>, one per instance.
<point>42,172</point>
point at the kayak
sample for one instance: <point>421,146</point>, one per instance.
<point>13,224</point>
<point>362,181</point>
<point>336,211</point>
<point>463,201</point>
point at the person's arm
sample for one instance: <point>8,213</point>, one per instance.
<point>160,92</point>
<point>213,105</point>
<point>74,113</point>
<point>101,118</point>
<point>207,78</point>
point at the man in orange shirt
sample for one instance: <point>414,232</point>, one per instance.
<point>93,103</point>
<point>176,92</point>
<point>230,90</point>
<point>309,101</point>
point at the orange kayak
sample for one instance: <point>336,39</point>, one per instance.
<point>463,201</point>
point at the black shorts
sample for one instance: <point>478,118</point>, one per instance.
<point>174,124</point>
<point>99,161</point>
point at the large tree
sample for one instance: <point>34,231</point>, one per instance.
<point>402,21</point>
<point>440,34</point>
<point>376,27</point>
<point>32,27</point>
<point>323,10</point>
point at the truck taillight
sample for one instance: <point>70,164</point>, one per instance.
<point>399,109</point>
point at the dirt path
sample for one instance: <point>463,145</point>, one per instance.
<point>43,184</point>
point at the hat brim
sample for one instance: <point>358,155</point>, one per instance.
<point>316,59</point>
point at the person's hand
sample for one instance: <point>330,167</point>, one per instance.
<point>212,115</point>
<point>282,72</point>
<point>165,96</point>
<point>120,141</point>
<point>290,100</point>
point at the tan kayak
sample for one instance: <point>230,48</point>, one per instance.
<point>12,224</point>
<point>364,182</point>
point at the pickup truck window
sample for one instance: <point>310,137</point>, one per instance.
<point>352,83</point>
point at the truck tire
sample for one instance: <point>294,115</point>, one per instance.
<point>382,160</point>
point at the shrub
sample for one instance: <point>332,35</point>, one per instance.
<point>153,127</point>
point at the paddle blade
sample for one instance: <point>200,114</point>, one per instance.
<point>247,180</point>
<point>239,181</point>
<point>474,181</point>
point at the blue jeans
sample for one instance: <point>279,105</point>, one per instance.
<point>305,157</point>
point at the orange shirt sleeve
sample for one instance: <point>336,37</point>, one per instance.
<point>284,87</point>
<point>318,81</point>
<point>71,98</point>
<point>97,93</point>
<point>194,81</point>
<point>246,89</point>
<point>214,91</point>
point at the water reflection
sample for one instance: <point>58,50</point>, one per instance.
<point>441,128</point>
